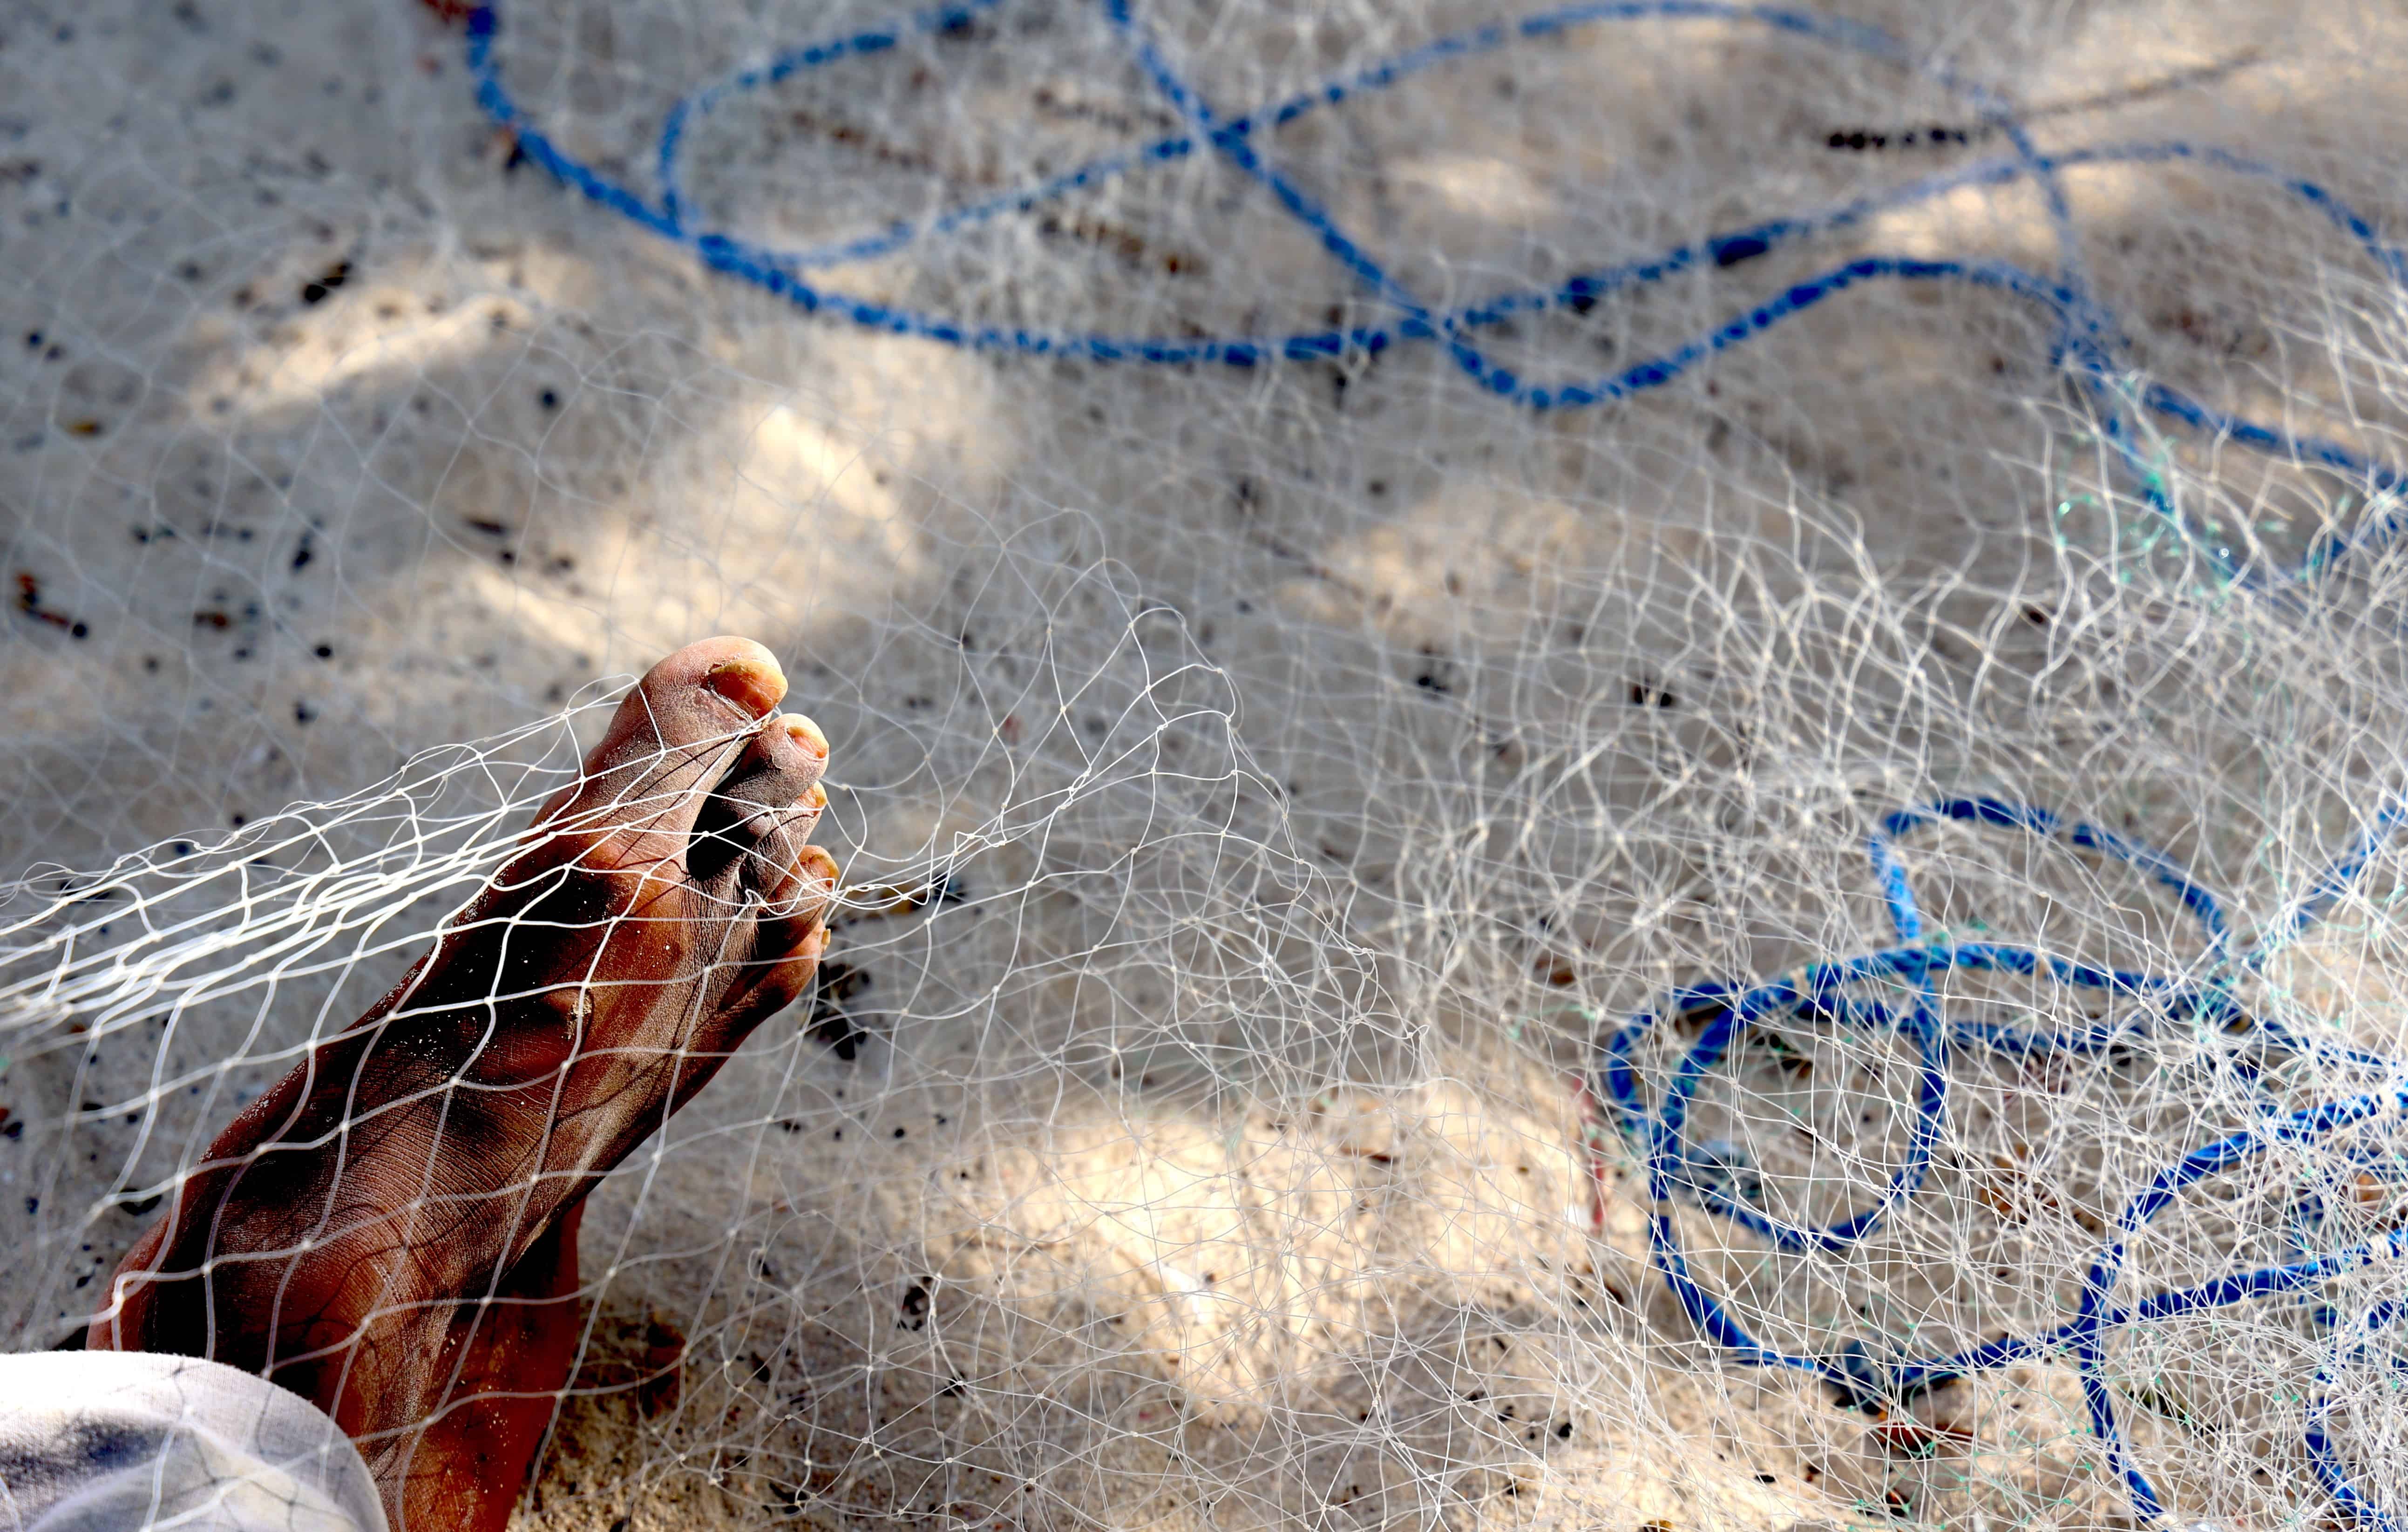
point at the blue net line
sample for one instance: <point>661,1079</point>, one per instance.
<point>2086,339</point>
<point>2086,342</point>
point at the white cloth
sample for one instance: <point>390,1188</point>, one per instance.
<point>118,1441</point>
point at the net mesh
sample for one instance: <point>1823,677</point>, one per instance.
<point>1632,764</point>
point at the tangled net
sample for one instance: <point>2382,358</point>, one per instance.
<point>1524,844</point>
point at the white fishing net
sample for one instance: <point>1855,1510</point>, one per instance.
<point>1623,765</point>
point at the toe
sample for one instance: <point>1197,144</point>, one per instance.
<point>675,731</point>
<point>764,807</point>
<point>792,935</point>
<point>777,778</point>
<point>705,691</point>
<point>798,904</point>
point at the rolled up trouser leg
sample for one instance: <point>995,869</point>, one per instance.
<point>116,1441</point>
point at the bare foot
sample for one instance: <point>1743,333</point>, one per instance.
<point>391,1231</point>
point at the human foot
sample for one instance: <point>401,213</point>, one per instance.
<point>391,1230</point>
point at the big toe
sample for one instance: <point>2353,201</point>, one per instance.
<point>691,715</point>
<point>704,691</point>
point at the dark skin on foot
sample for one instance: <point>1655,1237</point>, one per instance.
<point>391,1231</point>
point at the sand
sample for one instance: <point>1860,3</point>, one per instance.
<point>1211,1158</point>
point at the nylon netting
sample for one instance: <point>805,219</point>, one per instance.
<point>1623,765</point>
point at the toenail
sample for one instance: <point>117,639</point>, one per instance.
<point>747,684</point>
<point>806,734</point>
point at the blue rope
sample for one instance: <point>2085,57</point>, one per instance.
<point>1816,997</point>
<point>2087,343</point>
